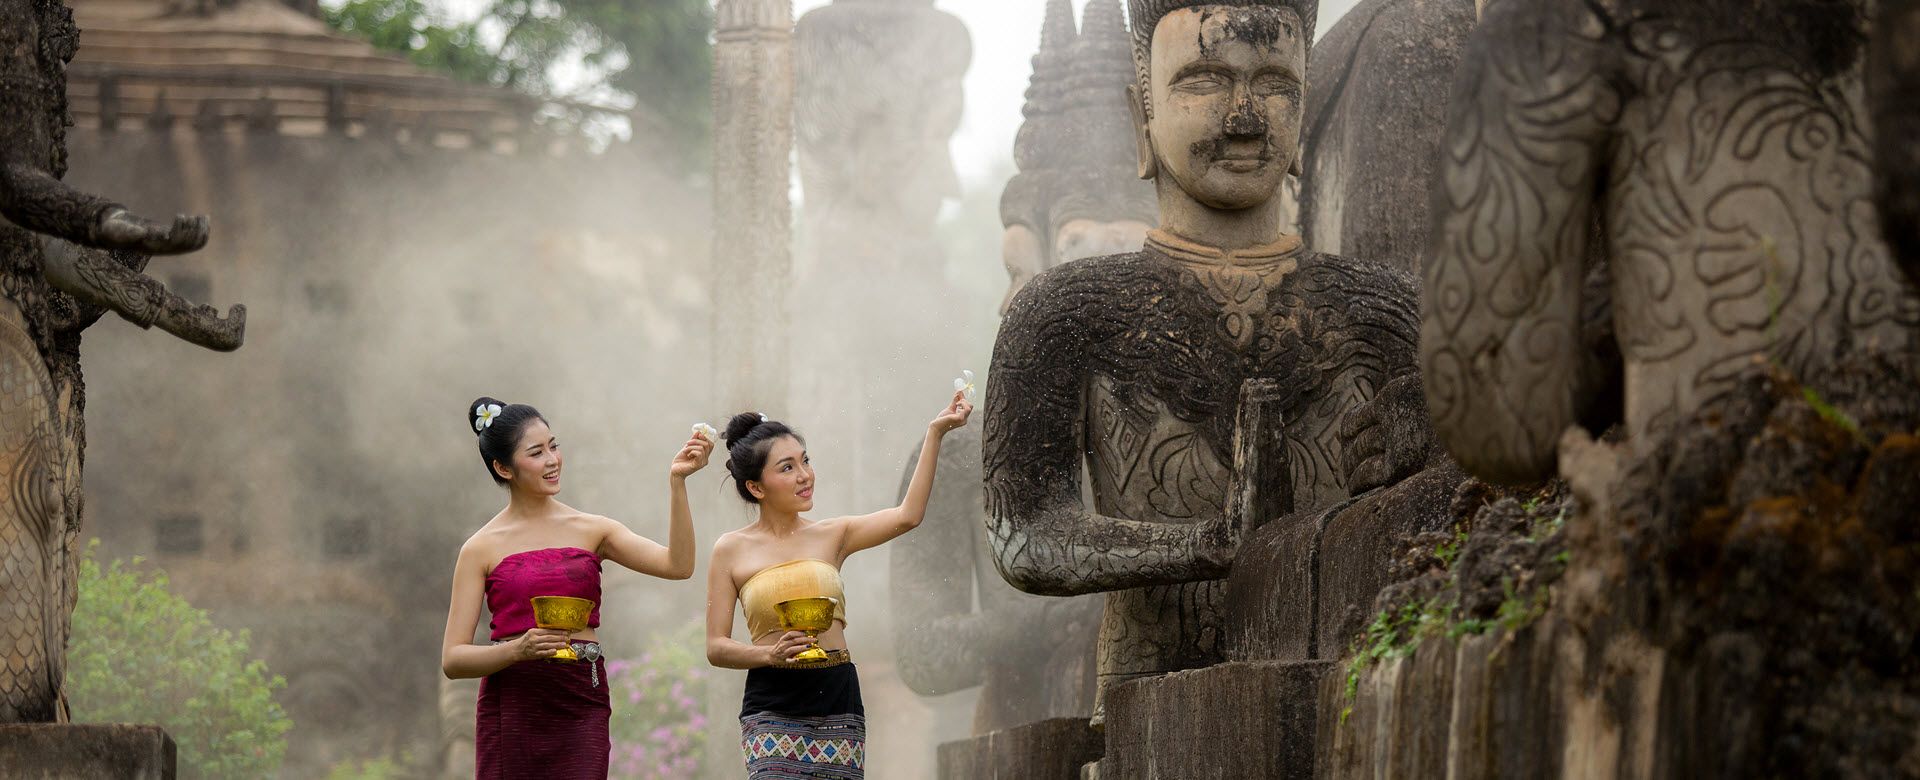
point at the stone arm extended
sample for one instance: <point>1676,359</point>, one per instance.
<point>1893,74</point>
<point>1044,538</point>
<point>100,280</point>
<point>35,200</point>
<point>938,636</point>
<point>1500,339</point>
<point>82,225</point>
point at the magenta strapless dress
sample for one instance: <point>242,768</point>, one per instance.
<point>542,719</point>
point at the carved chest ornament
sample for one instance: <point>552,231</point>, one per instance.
<point>1236,280</point>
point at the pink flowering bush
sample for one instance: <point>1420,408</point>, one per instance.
<point>659,722</point>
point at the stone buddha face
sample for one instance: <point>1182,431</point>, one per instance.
<point>1224,84</point>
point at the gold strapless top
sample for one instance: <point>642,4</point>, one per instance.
<point>804,578</point>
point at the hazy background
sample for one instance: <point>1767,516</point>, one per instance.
<point>320,469</point>
<point>1005,34</point>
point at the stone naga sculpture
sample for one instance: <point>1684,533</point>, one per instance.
<point>50,291</point>
<point>1718,144</point>
<point>1137,361</point>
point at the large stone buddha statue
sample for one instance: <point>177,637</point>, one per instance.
<point>1131,366</point>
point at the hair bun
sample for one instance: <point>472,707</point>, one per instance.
<point>742,424</point>
<point>480,407</point>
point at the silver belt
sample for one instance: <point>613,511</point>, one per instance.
<point>588,651</point>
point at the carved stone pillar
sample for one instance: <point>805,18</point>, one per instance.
<point>753,140</point>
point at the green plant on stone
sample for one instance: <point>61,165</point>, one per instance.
<point>1833,415</point>
<point>1473,626</point>
<point>1392,634</point>
<point>1449,551</point>
<point>1517,610</point>
<point>1771,280</point>
<point>1541,529</point>
<point>141,654</point>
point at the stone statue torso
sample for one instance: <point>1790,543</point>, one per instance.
<point>1170,333</point>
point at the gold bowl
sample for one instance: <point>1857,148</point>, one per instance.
<point>812,615</point>
<point>565,613</point>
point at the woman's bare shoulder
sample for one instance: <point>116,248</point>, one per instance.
<point>731,541</point>
<point>481,547</point>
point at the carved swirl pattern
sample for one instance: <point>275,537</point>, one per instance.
<point>1727,168</point>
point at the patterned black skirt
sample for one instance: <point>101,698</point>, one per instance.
<point>805,722</point>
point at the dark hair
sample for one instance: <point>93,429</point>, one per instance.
<point>749,436</point>
<point>499,438</point>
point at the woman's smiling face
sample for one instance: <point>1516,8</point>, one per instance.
<point>536,461</point>
<point>786,484</point>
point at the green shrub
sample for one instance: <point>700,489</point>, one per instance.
<point>140,654</point>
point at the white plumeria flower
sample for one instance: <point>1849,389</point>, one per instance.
<point>707,432</point>
<point>964,384</point>
<point>483,416</point>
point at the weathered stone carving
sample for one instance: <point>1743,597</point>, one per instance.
<point>1138,360</point>
<point>1734,589</point>
<point>1032,657</point>
<point>52,292</point>
<point>1076,194</point>
<point>1720,147</point>
<point>1100,206</point>
<point>1026,203</point>
<point>1375,113</point>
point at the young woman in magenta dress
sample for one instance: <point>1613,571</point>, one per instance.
<point>537,717</point>
<point>799,718</point>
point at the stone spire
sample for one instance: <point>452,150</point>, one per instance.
<point>1035,151</point>
<point>1099,159</point>
<point>1045,87</point>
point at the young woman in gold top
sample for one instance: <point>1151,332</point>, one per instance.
<point>799,715</point>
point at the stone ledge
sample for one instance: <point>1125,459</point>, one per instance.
<point>1225,722</point>
<point>64,751</point>
<point>1052,749</point>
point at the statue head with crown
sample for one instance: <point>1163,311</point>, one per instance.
<point>1076,194</point>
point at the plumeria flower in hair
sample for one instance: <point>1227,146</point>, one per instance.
<point>964,384</point>
<point>707,432</point>
<point>483,416</point>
